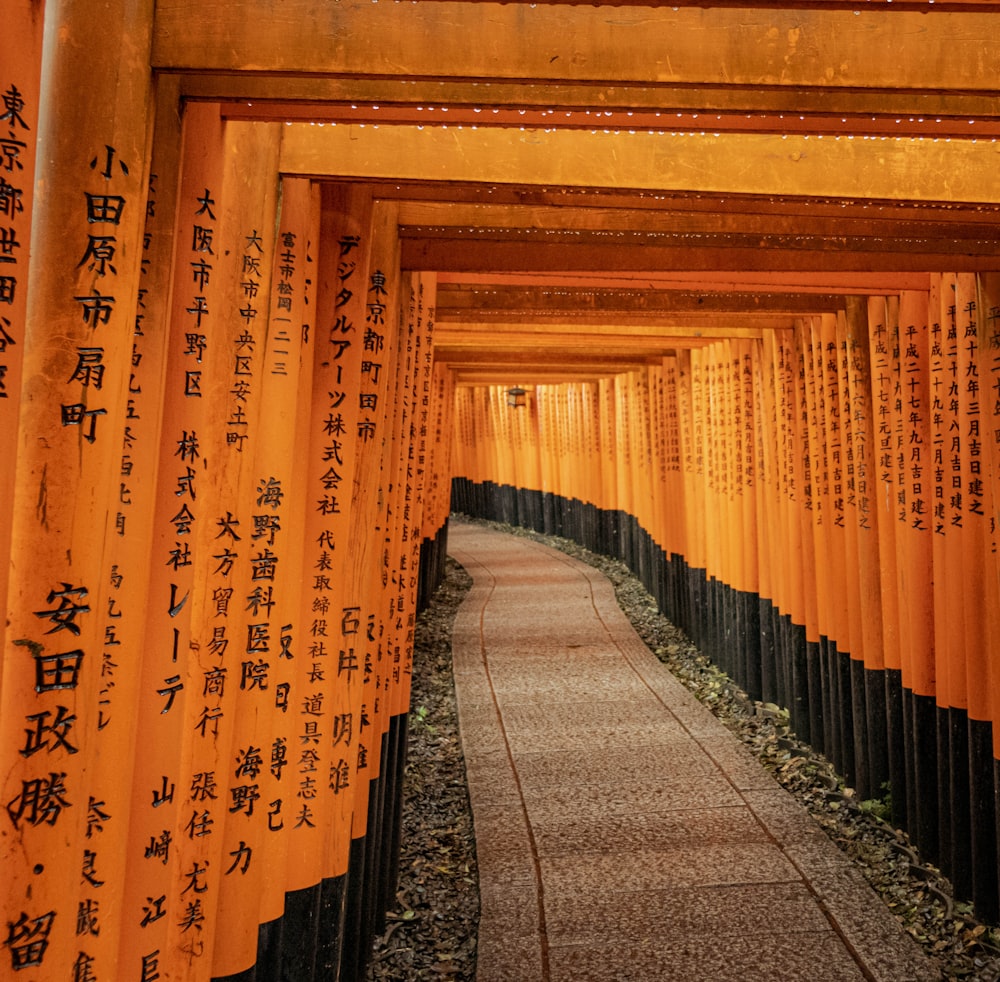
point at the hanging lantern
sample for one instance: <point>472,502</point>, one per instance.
<point>517,397</point>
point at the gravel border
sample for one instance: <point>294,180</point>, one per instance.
<point>432,932</point>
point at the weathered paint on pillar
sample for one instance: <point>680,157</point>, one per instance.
<point>74,332</point>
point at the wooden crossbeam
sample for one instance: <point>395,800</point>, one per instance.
<point>753,164</point>
<point>800,47</point>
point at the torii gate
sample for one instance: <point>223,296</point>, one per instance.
<point>232,239</point>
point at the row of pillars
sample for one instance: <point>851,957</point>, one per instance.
<point>817,508</point>
<point>223,438</point>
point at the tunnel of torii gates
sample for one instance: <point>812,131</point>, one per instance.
<point>267,275</point>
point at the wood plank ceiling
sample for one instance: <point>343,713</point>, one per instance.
<point>596,185</point>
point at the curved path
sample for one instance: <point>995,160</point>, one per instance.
<point>623,833</point>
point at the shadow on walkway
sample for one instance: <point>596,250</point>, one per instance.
<point>622,832</point>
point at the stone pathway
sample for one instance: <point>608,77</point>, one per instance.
<point>623,833</point>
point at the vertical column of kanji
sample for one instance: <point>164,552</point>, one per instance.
<point>854,665</point>
<point>671,492</point>
<point>747,397</point>
<point>400,582</point>
<point>969,705</point>
<point>793,455</point>
<point>884,361</point>
<point>781,345</point>
<point>699,557</point>
<point>412,438</point>
<point>685,418</point>
<point>365,576</point>
<point>395,376</point>
<point>107,858</point>
<point>157,778</point>
<point>643,458</point>
<point>711,535</point>
<point>810,676</point>
<point>292,342</point>
<point>728,549</point>
<point>732,511</point>
<point>657,464</point>
<point>20,90</point>
<point>229,594</point>
<point>734,537</point>
<point>835,454</point>
<point>865,569</point>
<point>72,164</point>
<point>768,505</point>
<point>275,284</point>
<point>985,867</point>
<point>314,808</point>
<point>989,370</point>
<point>422,467</point>
<point>947,545</point>
<point>915,578</point>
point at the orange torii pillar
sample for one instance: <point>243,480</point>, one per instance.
<point>968,851</point>
<point>861,486</point>
<point>66,328</point>
<point>346,401</point>
<point>984,811</point>
<point>197,817</point>
<point>20,91</point>
<point>771,507</point>
<point>911,408</point>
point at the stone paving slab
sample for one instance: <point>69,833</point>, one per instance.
<point>623,833</point>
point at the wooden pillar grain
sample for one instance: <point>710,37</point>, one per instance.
<point>20,82</point>
<point>74,162</point>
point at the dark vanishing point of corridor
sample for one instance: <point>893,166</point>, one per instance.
<point>623,833</point>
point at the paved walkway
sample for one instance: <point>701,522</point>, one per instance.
<point>623,832</point>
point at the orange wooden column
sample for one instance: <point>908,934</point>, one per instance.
<point>131,513</point>
<point>846,501</point>
<point>883,340</point>
<point>252,889</point>
<point>818,595</point>
<point>975,661</point>
<point>713,442</point>
<point>66,325</point>
<point>607,426</point>
<point>984,736</point>
<point>769,501</point>
<point>914,570</point>
<point>796,565</point>
<point>21,56</point>
<point>989,371</point>
<point>315,809</point>
<point>224,664</point>
<point>672,493</point>
<point>658,461</point>
<point>440,454</point>
<point>862,498</point>
<point>364,562</point>
<point>972,786</point>
<point>687,454</point>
